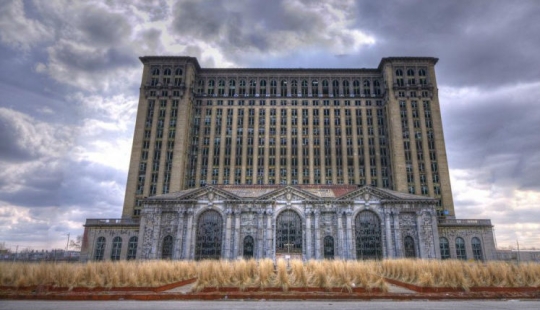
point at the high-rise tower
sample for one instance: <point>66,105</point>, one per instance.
<point>198,126</point>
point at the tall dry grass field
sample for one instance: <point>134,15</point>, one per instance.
<point>462,274</point>
<point>264,273</point>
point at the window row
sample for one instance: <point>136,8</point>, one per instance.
<point>287,88</point>
<point>115,249</point>
<point>460,251</point>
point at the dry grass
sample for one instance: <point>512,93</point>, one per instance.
<point>263,273</point>
<point>96,274</point>
<point>462,274</point>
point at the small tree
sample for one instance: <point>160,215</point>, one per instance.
<point>76,244</point>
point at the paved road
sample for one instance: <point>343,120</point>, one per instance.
<point>269,305</point>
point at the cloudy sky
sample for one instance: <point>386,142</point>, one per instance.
<point>70,75</point>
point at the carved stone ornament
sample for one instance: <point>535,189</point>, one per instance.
<point>366,196</point>
<point>288,196</point>
<point>210,196</point>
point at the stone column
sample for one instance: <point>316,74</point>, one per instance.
<point>349,234</point>
<point>228,214</point>
<point>269,234</point>
<point>341,244</point>
<point>237,215</point>
<point>420,247</point>
<point>397,241</point>
<point>317,235</point>
<point>179,234</point>
<point>142,252</point>
<point>189,228</point>
<point>389,249</point>
<point>259,233</point>
<point>308,233</point>
<point>156,236</point>
<point>435,231</point>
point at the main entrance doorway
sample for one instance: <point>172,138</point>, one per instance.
<point>289,235</point>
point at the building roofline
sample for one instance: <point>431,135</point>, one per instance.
<point>384,60</point>
<point>147,59</point>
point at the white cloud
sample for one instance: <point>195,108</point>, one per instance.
<point>19,31</point>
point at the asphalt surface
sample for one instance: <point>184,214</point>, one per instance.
<point>271,305</point>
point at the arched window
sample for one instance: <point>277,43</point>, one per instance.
<point>460,249</point>
<point>200,87</point>
<point>155,71</point>
<point>221,87</point>
<point>335,88</point>
<point>294,87</point>
<point>249,245</point>
<point>315,88</point>
<point>179,71</point>
<point>263,88</point>
<point>167,71</point>
<point>132,247</point>
<point>288,232</point>
<point>116,248</point>
<point>399,79</point>
<point>328,247</point>
<point>367,87</point>
<point>273,87</point>
<point>211,85</point>
<point>232,88</point>
<point>422,74</point>
<point>377,87</point>
<point>252,87</point>
<point>209,236</point>
<point>283,88</point>
<point>167,247</point>
<point>242,88</point>
<point>408,245</point>
<point>445,248</point>
<point>410,77</point>
<point>304,88</point>
<point>346,90</point>
<point>477,249</point>
<point>356,87</point>
<point>325,89</point>
<point>368,236</point>
<point>100,248</point>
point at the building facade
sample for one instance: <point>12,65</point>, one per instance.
<point>376,131</point>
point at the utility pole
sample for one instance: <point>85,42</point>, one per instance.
<point>16,250</point>
<point>518,258</point>
<point>67,248</point>
<point>67,244</point>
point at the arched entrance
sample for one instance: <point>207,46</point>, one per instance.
<point>249,245</point>
<point>368,236</point>
<point>209,236</point>
<point>289,233</point>
<point>408,245</point>
<point>328,247</point>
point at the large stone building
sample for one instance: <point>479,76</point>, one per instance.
<point>311,163</point>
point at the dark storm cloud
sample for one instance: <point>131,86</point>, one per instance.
<point>90,184</point>
<point>76,58</point>
<point>238,29</point>
<point>483,43</point>
<point>101,27</point>
<point>498,134</point>
<point>10,148</point>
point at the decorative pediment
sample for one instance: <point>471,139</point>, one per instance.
<point>209,193</point>
<point>289,193</point>
<point>369,193</point>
